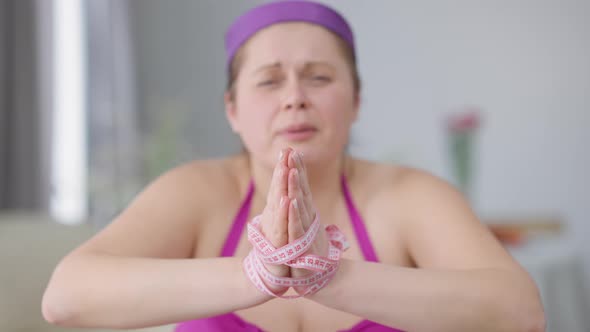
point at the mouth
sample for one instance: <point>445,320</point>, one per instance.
<point>298,132</point>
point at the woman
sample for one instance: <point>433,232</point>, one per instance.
<point>419,260</point>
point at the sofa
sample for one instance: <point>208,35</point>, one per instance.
<point>30,247</point>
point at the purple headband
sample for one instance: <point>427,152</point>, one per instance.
<point>265,15</point>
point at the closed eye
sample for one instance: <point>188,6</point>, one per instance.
<point>319,80</point>
<point>266,83</point>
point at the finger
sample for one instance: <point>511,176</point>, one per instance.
<point>284,156</point>
<point>272,190</point>
<point>295,227</point>
<point>303,170</point>
<point>295,193</point>
<point>292,186</point>
<point>283,174</point>
<point>280,226</point>
<point>303,209</point>
<point>275,191</point>
<point>305,189</point>
<point>292,160</point>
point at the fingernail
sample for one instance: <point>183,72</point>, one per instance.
<point>282,201</point>
<point>300,157</point>
<point>295,203</point>
<point>280,155</point>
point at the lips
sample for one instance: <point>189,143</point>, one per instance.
<point>298,132</point>
<point>298,128</point>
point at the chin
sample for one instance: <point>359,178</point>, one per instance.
<point>313,155</point>
<point>314,152</point>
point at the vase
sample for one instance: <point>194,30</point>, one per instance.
<point>461,150</point>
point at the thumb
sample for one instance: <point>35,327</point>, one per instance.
<point>295,227</point>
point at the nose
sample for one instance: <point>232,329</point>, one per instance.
<point>295,98</point>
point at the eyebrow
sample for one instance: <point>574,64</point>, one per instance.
<point>306,65</point>
<point>271,65</point>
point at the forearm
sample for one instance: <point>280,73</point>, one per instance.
<point>434,300</point>
<point>120,292</point>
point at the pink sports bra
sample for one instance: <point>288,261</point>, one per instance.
<point>233,322</point>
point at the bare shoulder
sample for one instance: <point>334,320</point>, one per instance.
<point>387,190</point>
<point>193,186</point>
<point>387,183</point>
<point>200,187</point>
<point>165,218</point>
<point>397,178</point>
<point>428,214</point>
<point>407,187</point>
<point>206,179</point>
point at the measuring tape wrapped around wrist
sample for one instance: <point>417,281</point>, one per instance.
<point>293,255</point>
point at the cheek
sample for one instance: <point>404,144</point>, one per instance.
<point>338,109</point>
<point>257,110</point>
<point>255,116</point>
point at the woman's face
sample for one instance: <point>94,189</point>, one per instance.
<point>294,88</point>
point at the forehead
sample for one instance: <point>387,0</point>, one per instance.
<point>292,43</point>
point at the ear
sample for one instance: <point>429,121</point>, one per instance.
<point>231,112</point>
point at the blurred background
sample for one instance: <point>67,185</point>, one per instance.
<point>99,97</point>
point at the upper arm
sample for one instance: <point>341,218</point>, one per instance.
<point>162,221</point>
<point>442,231</point>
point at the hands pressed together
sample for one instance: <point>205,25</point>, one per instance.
<point>288,215</point>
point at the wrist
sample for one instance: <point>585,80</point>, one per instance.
<point>246,287</point>
<point>334,288</point>
<point>304,253</point>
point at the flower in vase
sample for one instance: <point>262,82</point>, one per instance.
<point>461,130</point>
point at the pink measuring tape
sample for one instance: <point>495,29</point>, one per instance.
<point>293,254</point>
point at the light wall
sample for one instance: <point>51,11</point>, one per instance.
<point>525,64</point>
